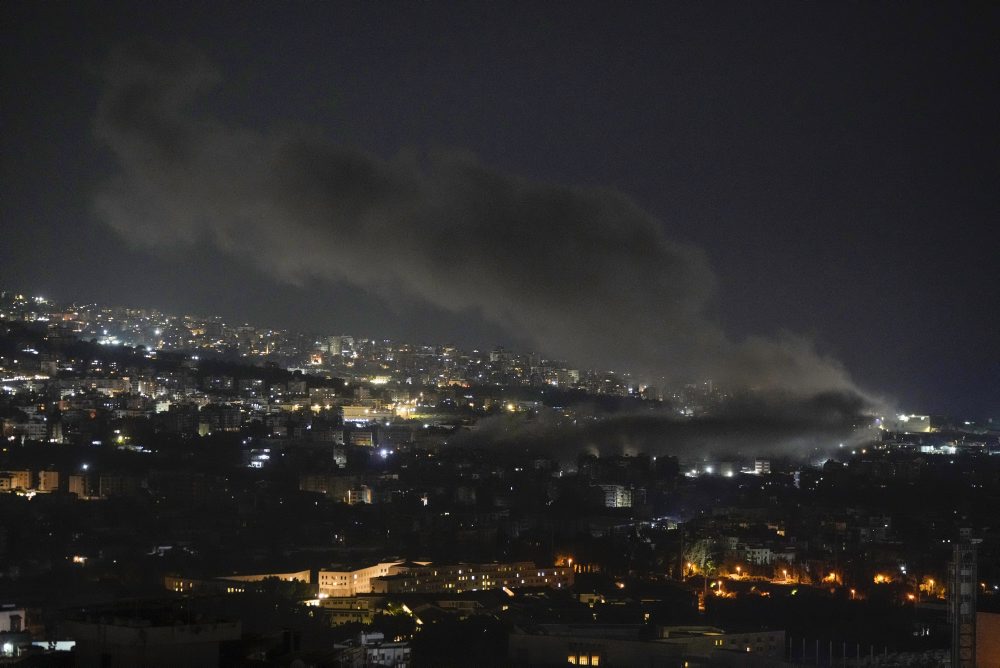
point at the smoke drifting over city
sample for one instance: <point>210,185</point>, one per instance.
<point>742,427</point>
<point>584,274</point>
<point>499,334</point>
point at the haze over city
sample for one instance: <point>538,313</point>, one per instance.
<point>670,177</point>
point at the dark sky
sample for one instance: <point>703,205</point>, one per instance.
<point>837,163</point>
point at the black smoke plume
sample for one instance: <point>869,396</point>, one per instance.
<point>585,274</point>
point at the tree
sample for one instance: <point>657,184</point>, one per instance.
<point>700,553</point>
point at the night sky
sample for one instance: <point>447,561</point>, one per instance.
<point>831,170</point>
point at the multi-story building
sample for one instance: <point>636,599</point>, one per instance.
<point>617,496</point>
<point>962,603</point>
<point>361,495</point>
<point>117,485</point>
<point>48,481</point>
<point>347,581</point>
<point>457,578</point>
<point>359,609</point>
<point>758,554</point>
<point>15,480</point>
<point>80,485</point>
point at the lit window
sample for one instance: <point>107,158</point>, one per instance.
<point>584,660</point>
<point>595,660</point>
<point>571,659</point>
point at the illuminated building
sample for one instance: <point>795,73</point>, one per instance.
<point>229,584</point>
<point>48,481</point>
<point>457,578</point>
<point>758,555</point>
<point>361,495</point>
<point>10,480</point>
<point>351,581</point>
<point>360,609</point>
<point>914,424</point>
<point>617,496</point>
<point>362,439</point>
<point>12,619</point>
<point>398,577</point>
<point>341,345</point>
<point>365,414</point>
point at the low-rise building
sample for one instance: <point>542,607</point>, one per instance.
<point>153,639</point>
<point>229,584</point>
<point>359,609</point>
<point>622,645</point>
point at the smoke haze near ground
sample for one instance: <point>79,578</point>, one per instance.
<point>749,426</point>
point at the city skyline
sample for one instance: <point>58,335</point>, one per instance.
<point>298,346</point>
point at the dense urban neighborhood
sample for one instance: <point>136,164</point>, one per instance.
<point>251,495</point>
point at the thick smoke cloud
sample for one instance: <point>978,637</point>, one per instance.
<point>584,274</point>
<point>761,424</point>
